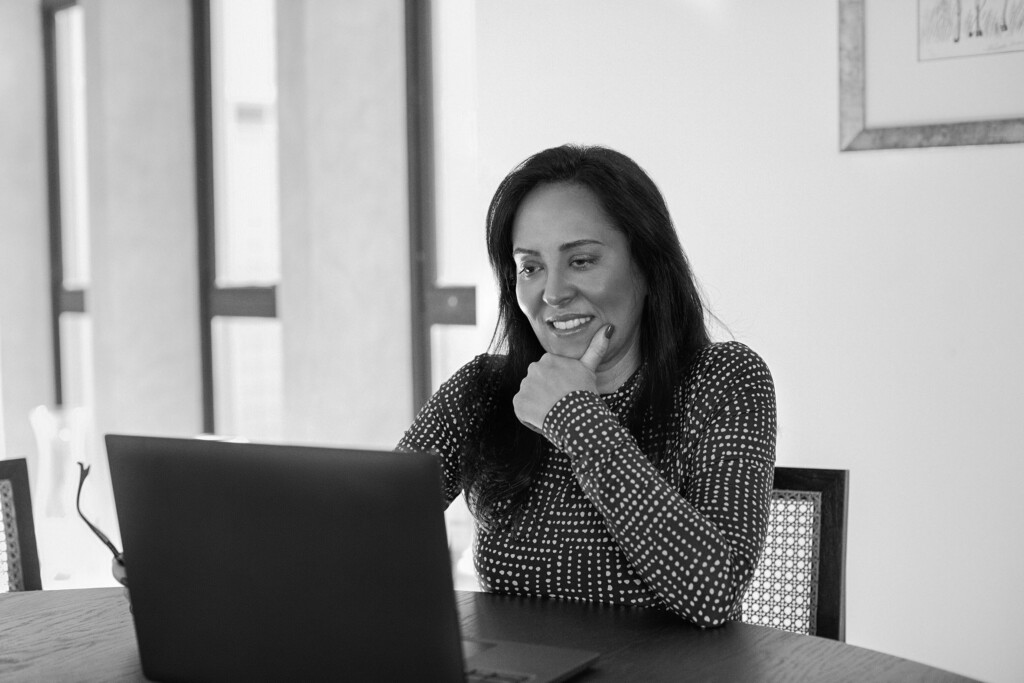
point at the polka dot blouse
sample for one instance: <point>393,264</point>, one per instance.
<point>602,523</point>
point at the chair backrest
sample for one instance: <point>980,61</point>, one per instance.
<point>19,559</point>
<point>800,581</point>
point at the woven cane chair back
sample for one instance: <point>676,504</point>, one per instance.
<point>19,559</point>
<point>799,584</point>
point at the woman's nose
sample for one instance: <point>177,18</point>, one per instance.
<point>557,290</point>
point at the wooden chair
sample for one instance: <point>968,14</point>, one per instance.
<point>800,582</point>
<point>19,558</point>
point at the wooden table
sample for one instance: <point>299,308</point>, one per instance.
<point>87,635</point>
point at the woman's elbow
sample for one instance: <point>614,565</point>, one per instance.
<point>712,612</point>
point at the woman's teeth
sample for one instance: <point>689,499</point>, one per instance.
<point>570,324</point>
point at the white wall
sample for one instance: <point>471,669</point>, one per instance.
<point>144,294</point>
<point>883,288</point>
<point>25,360</point>
<point>344,294</point>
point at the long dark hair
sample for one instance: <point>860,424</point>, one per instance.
<point>498,467</point>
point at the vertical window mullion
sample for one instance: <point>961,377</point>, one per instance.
<point>203,103</point>
<point>420,136</point>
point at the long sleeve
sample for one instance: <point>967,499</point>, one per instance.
<point>446,421</point>
<point>693,529</point>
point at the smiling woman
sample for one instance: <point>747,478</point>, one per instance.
<point>576,276</point>
<point>607,449</point>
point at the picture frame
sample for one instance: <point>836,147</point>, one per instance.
<point>856,135</point>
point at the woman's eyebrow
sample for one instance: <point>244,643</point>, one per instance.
<point>562,247</point>
<point>578,243</point>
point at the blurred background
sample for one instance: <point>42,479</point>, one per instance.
<point>264,220</point>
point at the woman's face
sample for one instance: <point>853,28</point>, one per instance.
<point>575,275</point>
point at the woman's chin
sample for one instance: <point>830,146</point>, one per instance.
<point>569,347</point>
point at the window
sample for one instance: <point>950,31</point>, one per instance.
<point>236,119</point>
<point>69,208</point>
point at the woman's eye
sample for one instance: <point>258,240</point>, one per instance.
<point>582,261</point>
<point>527,269</point>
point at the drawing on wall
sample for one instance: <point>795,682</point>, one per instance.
<point>962,28</point>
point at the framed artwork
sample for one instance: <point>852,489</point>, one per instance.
<point>930,73</point>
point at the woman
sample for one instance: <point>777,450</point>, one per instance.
<point>609,451</point>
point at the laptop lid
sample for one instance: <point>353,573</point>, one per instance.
<point>283,562</point>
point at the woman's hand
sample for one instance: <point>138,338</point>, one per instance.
<point>552,377</point>
<point>117,567</point>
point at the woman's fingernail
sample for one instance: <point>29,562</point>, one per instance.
<point>608,331</point>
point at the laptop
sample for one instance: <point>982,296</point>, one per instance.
<point>283,562</point>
